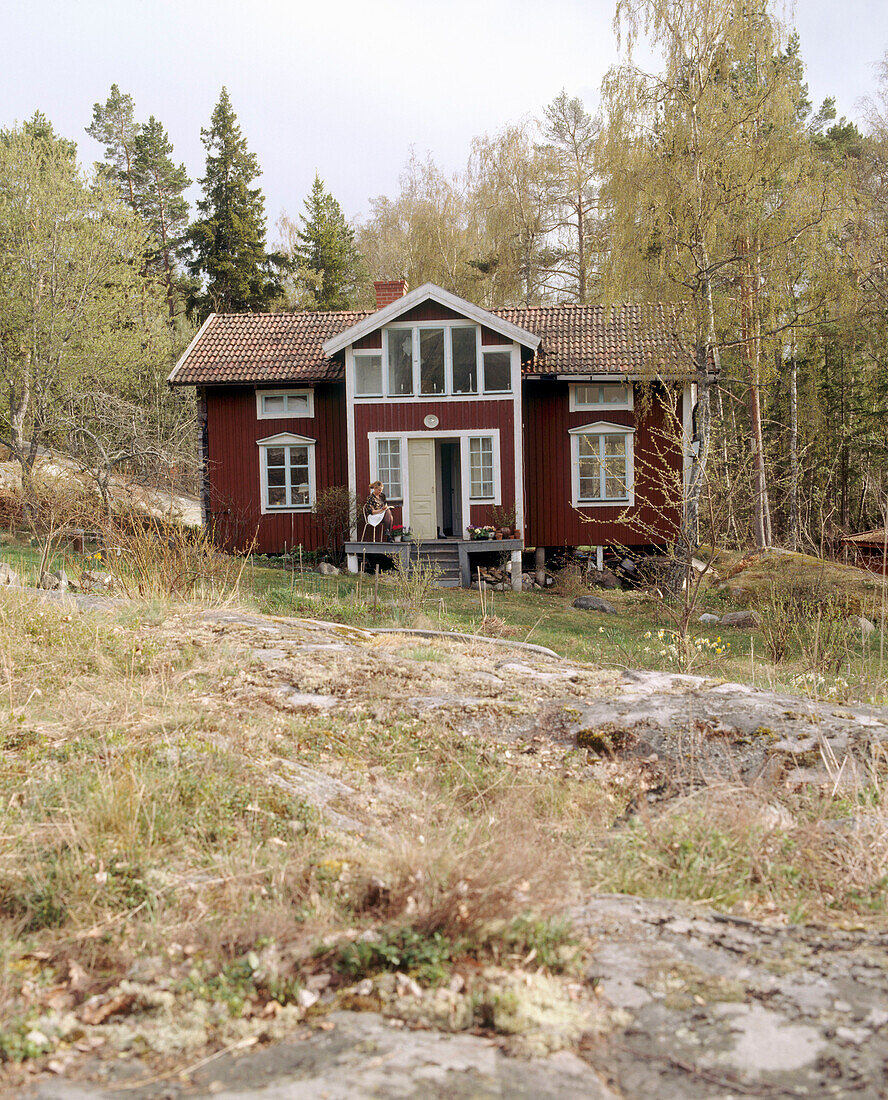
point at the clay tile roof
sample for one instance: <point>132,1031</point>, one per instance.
<point>254,348</point>
<point>624,339</point>
<point>264,347</point>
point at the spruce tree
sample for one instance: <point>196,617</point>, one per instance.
<point>329,265</point>
<point>228,242</point>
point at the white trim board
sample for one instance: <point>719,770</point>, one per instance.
<point>428,291</point>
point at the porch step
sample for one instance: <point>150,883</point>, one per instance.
<point>444,557</point>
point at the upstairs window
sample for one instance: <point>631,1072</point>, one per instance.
<point>465,360</point>
<point>497,372</point>
<point>400,362</point>
<point>368,374</point>
<point>432,361</point>
<point>600,395</point>
<point>284,404</point>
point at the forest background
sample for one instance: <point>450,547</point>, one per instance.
<point>710,182</point>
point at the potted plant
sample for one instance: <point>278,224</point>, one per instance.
<point>484,532</point>
<point>504,521</point>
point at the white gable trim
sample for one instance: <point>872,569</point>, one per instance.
<point>283,439</point>
<point>189,349</point>
<point>416,297</point>
<point>602,426</point>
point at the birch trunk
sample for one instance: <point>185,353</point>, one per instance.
<point>794,523</point>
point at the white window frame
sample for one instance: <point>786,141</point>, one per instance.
<point>366,352</point>
<point>261,414</point>
<point>575,405</point>
<point>481,394</point>
<point>496,473</point>
<point>486,350</point>
<point>599,428</point>
<point>374,463</point>
<point>286,440</point>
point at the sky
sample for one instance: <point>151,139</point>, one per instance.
<point>345,88</point>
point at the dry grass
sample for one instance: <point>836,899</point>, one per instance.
<point>814,856</point>
<point>149,559</point>
<point>141,819</point>
<point>754,576</point>
<point>463,872</point>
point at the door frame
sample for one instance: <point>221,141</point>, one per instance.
<point>463,435</point>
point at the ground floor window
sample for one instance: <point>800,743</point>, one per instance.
<point>287,473</point>
<point>481,468</point>
<point>602,464</point>
<point>388,467</point>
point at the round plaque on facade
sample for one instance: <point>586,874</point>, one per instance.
<point>431,421</point>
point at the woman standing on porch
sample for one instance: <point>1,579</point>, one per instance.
<point>377,510</point>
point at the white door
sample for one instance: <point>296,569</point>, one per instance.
<point>422,495</point>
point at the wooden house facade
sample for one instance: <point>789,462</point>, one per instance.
<point>574,421</point>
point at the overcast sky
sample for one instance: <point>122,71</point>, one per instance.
<point>345,87</point>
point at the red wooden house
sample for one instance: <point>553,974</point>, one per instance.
<point>559,414</point>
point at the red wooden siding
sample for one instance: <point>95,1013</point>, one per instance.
<point>233,466</point>
<point>488,336</point>
<point>551,521</point>
<point>430,311</point>
<point>455,416</point>
<point>371,342</point>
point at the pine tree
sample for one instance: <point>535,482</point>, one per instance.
<point>228,242</point>
<point>328,263</point>
<point>138,164</point>
<point>161,202</point>
<point>115,127</point>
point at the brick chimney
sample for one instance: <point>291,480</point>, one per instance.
<point>386,293</point>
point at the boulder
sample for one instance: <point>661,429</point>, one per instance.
<point>54,582</point>
<point>860,625</point>
<point>706,617</point>
<point>741,620</point>
<point>595,603</point>
<point>7,574</point>
<point>328,570</point>
<point>94,580</point>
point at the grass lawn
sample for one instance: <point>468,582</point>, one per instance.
<point>841,664</point>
